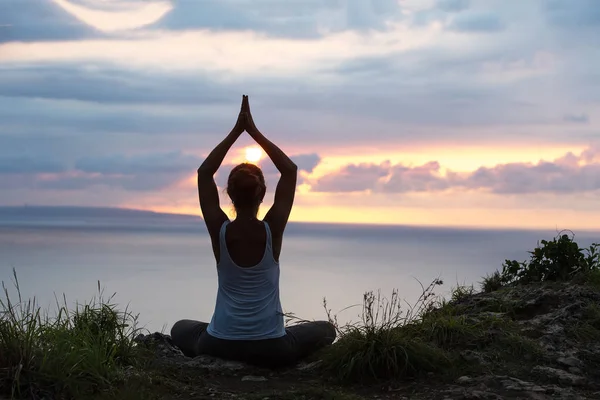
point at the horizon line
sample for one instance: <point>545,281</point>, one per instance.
<point>336,223</point>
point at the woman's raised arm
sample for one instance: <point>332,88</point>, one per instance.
<point>207,188</point>
<point>279,213</point>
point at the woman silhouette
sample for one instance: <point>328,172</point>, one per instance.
<point>247,324</point>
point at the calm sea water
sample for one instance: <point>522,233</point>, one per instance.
<point>162,267</point>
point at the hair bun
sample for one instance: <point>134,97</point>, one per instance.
<point>246,184</point>
<point>246,179</point>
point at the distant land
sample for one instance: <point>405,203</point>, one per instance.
<point>81,211</point>
<point>95,218</point>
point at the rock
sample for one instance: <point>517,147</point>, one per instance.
<point>309,366</point>
<point>473,356</point>
<point>464,379</point>
<point>484,395</point>
<point>167,352</point>
<point>215,364</point>
<point>251,378</point>
<point>162,344</point>
<point>563,377</point>
<point>515,384</point>
<point>569,361</point>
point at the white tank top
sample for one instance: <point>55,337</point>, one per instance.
<point>248,306</point>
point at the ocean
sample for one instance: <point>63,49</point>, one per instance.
<point>162,268</point>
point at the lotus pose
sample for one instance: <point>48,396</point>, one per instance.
<point>248,323</point>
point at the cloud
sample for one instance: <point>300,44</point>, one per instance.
<point>101,104</point>
<point>83,126</point>
<point>28,164</point>
<point>476,21</point>
<point>108,84</point>
<point>423,178</point>
<point>309,19</point>
<point>142,172</point>
<point>577,118</point>
<point>137,183</point>
<point>453,5</point>
<point>575,14</point>
<point>39,20</point>
<point>138,172</point>
<point>353,178</point>
<point>214,14</point>
<point>568,174</point>
<point>157,163</point>
<point>305,162</point>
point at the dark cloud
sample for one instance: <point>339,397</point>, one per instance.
<point>476,21</point>
<point>98,122</point>
<point>293,18</point>
<point>453,5</point>
<point>107,84</point>
<point>353,178</point>
<point>157,163</point>
<point>568,174</point>
<point>371,14</point>
<point>137,182</point>
<point>39,20</point>
<point>439,12</point>
<point>26,164</point>
<point>426,86</point>
<point>577,118</point>
<point>143,172</point>
<point>423,178</point>
<point>548,177</point>
<point>137,172</point>
<point>305,162</point>
<point>573,14</point>
<point>214,14</point>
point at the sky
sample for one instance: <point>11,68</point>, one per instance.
<point>478,113</point>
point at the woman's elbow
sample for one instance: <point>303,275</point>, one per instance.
<point>292,168</point>
<point>204,171</point>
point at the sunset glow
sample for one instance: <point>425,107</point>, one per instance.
<point>253,154</point>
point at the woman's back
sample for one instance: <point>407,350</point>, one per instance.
<point>246,242</point>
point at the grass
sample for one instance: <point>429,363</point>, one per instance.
<point>588,328</point>
<point>391,343</point>
<point>75,353</point>
<point>492,283</point>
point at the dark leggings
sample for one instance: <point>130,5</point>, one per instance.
<point>299,342</point>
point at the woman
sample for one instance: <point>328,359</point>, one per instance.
<point>247,324</point>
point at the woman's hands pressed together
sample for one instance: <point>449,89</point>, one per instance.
<point>247,115</point>
<point>241,123</point>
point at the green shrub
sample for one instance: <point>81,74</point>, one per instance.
<point>555,260</point>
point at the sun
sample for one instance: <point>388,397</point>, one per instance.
<point>253,154</point>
